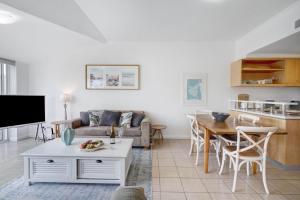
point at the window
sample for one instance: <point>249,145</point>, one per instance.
<point>7,83</point>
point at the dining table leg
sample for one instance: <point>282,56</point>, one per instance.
<point>206,149</point>
<point>254,166</point>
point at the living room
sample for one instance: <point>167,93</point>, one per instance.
<point>165,45</point>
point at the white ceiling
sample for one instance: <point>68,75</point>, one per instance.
<point>155,20</point>
<point>179,20</point>
<point>32,39</point>
<point>288,45</point>
<point>65,13</point>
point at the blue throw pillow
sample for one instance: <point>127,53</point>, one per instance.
<point>109,118</point>
<point>137,118</point>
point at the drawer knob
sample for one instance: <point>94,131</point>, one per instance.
<point>98,161</point>
<point>50,161</point>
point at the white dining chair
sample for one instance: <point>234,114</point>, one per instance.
<point>197,138</point>
<point>255,151</point>
<point>231,140</point>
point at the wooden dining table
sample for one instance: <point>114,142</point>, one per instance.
<point>211,127</point>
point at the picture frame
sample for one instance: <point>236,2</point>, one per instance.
<point>194,91</point>
<point>112,77</point>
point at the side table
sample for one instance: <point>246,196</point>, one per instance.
<point>157,129</point>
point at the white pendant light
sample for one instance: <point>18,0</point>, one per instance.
<point>7,17</point>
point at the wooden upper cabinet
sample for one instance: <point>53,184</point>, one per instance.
<point>236,73</point>
<point>292,71</point>
<point>266,72</point>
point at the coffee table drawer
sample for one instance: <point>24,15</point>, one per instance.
<point>98,169</point>
<point>50,168</point>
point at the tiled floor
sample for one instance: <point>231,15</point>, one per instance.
<point>175,177</point>
<point>11,163</point>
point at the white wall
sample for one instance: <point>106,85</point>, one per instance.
<point>56,59</point>
<point>276,28</point>
<point>22,89</point>
<point>162,66</point>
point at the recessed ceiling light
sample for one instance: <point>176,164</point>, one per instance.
<point>7,17</point>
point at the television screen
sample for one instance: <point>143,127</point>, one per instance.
<point>20,110</point>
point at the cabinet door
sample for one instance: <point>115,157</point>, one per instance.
<point>236,73</point>
<point>292,71</point>
<point>50,169</point>
<point>98,169</point>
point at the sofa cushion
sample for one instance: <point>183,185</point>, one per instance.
<point>130,132</point>
<point>85,118</point>
<point>137,119</point>
<point>125,119</point>
<point>109,118</point>
<point>92,131</point>
<point>94,119</point>
<point>99,112</point>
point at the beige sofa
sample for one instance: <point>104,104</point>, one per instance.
<point>141,134</point>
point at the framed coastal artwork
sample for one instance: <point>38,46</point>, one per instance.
<point>194,89</point>
<point>112,77</point>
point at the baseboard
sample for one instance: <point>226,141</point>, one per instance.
<point>282,166</point>
<point>179,137</point>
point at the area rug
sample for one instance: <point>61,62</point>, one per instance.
<point>139,174</point>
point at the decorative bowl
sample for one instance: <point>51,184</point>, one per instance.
<point>219,116</point>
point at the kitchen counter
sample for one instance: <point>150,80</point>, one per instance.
<point>284,149</point>
<point>278,116</point>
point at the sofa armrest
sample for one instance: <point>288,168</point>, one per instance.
<point>73,123</point>
<point>146,132</point>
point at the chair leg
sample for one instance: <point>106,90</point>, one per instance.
<point>223,161</point>
<point>217,152</point>
<point>201,146</point>
<point>230,161</point>
<point>216,147</point>
<point>264,176</point>
<point>192,146</point>
<point>197,154</point>
<point>248,169</point>
<point>236,169</point>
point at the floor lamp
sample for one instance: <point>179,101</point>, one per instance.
<point>66,98</point>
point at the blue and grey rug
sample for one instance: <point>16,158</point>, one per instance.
<point>139,175</point>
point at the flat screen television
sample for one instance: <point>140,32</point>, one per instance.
<point>17,110</point>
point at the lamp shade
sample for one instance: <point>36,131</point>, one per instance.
<point>66,98</point>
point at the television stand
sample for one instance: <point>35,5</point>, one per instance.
<point>40,126</point>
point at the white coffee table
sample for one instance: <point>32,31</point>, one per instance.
<point>56,162</point>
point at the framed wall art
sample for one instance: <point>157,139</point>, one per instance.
<point>112,77</point>
<point>194,89</point>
